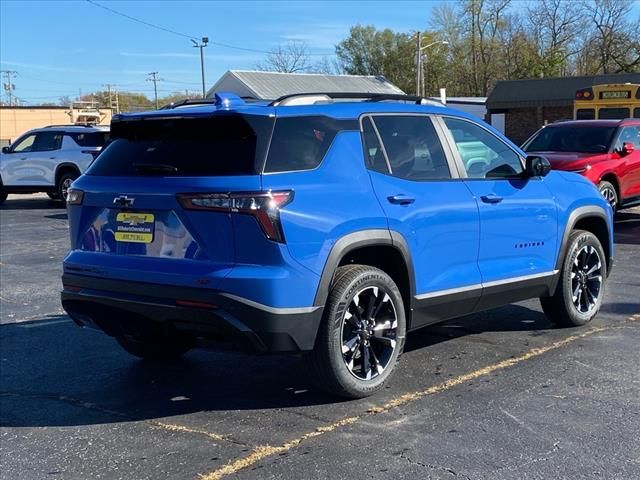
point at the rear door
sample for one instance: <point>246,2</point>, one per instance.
<point>518,215</point>
<point>430,207</point>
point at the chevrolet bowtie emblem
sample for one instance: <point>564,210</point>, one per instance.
<point>123,201</point>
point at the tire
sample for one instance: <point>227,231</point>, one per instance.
<point>610,194</point>
<point>155,348</point>
<point>64,182</point>
<point>584,272</point>
<point>372,345</point>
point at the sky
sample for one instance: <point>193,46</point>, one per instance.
<point>61,48</point>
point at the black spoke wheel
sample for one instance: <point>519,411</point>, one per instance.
<point>581,285</point>
<point>369,330</point>
<point>586,279</point>
<point>362,333</point>
<point>64,183</point>
<point>608,191</point>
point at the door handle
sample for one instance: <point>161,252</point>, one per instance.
<point>491,198</point>
<point>401,199</point>
<point>52,158</point>
<point>23,158</point>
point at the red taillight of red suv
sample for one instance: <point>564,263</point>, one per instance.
<point>264,206</point>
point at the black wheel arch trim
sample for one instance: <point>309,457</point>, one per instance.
<point>355,240</point>
<point>66,166</point>
<point>576,215</point>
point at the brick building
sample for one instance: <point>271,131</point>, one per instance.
<point>530,104</point>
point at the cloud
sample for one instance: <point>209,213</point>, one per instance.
<point>321,36</point>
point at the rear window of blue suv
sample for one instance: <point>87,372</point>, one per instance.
<point>224,145</point>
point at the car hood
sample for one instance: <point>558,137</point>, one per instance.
<point>570,160</point>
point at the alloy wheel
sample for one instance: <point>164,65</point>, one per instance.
<point>610,195</point>
<point>369,331</point>
<point>66,183</point>
<point>586,279</point>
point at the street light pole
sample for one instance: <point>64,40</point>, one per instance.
<point>418,63</point>
<point>420,77</point>
<point>205,41</point>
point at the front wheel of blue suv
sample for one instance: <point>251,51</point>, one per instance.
<point>581,286</point>
<point>362,333</point>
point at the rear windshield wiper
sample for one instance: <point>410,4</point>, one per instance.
<point>155,168</point>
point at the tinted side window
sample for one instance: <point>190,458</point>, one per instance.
<point>636,113</point>
<point>373,154</point>
<point>413,147</point>
<point>47,141</point>
<point>629,135</point>
<point>483,154</point>
<point>300,143</point>
<point>90,139</point>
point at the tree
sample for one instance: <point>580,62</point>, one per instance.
<point>128,101</point>
<point>613,45</point>
<point>292,57</point>
<point>367,51</point>
<point>556,26</point>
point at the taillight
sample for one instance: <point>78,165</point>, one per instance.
<point>264,206</point>
<point>74,197</point>
<point>584,94</point>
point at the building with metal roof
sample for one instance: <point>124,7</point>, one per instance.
<point>272,85</point>
<point>529,104</point>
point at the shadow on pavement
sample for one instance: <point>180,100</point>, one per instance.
<point>627,227</point>
<point>56,374</point>
<point>30,202</point>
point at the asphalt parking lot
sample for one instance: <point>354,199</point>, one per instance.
<point>499,395</point>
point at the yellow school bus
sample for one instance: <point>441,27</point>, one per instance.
<point>607,101</point>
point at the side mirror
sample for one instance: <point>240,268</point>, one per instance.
<point>6,149</point>
<point>537,166</point>
<point>627,149</point>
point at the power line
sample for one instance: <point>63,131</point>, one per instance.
<point>186,35</point>
<point>168,30</point>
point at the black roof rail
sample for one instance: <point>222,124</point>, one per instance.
<point>75,125</point>
<point>365,96</point>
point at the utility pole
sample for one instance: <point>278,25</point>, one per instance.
<point>154,78</point>
<point>114,105</point>
<point>205,41</point>
<point>9,87</point>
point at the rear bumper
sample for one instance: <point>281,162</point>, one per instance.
<point>133,308</point>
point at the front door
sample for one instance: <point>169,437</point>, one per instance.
<point>15,170</point>
<point>430,208</point>
<point>518,215</point>
<point>630,169</point>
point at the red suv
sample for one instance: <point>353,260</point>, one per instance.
<point>607,152</point>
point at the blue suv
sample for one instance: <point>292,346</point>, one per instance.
<point>323,224</point>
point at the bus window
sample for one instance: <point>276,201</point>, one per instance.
<point>585,114</point>
<point>636,113</point>
<point>613,113</point>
